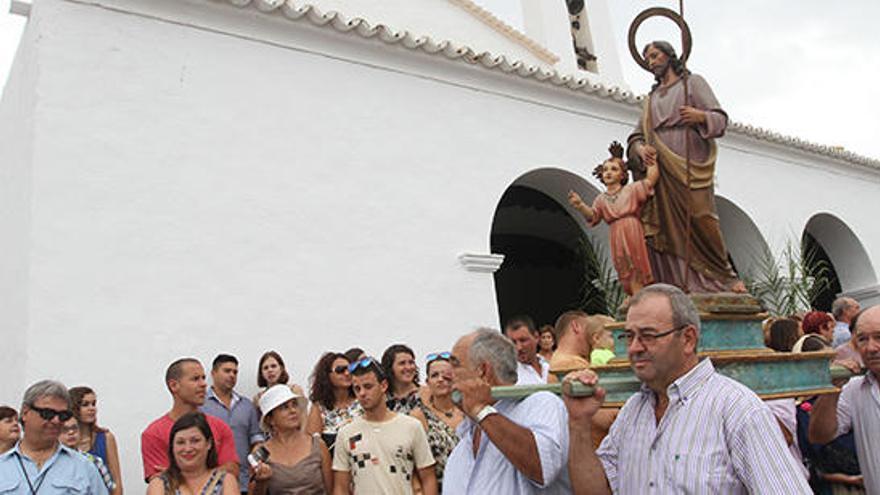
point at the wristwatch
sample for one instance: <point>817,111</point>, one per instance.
<point>484,412</point>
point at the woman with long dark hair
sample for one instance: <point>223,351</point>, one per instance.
<point>272,371</point>
<point>333,402</point>
<point>399,363</point>
<point>94,439</point>
<point>192,459</point>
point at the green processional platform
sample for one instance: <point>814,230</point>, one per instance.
<point>732,336</point>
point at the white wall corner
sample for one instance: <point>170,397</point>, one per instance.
<point>482,263</point>
<point>18,7</point>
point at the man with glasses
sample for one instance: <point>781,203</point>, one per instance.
<point>39,460</point>
<point>857,406</point>
<point>690,429</point>
<point>381,451</point>
<point>235,410</point>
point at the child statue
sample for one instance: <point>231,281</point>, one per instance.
<point>620,206</point>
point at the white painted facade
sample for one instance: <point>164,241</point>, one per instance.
<point>191,177</point>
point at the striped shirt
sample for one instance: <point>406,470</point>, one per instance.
<point>716,436</point>
<point>858,409</point>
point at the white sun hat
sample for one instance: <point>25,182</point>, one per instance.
<point>275,396</point>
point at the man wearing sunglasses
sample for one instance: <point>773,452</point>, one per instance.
<point>690,429</point>
<point>39,460</point>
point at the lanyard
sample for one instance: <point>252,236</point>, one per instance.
<point>28,478</point>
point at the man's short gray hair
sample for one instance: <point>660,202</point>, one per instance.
<point>491,346</point>
<point>684,312</point>
<point>45,388</point>
<point>840,305</point>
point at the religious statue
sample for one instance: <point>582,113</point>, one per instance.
<point>619,206</point>
<point>676,132</point>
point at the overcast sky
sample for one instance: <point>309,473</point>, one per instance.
<point>806,68</point>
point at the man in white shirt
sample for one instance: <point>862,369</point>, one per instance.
<point>532,368</point>
<point>857,406</point>
<point>506,446</point>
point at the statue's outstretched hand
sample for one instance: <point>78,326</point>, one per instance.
<point>574,199</point>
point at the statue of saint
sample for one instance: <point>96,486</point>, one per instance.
<point>670,128</point>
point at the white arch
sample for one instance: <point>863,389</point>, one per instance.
<point>846,252</point>
<point>556,183</point>
<point>744,240</point>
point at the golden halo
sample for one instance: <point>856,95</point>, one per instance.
<point>663,12</point>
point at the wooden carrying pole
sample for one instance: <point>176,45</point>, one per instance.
<point>687,161</point>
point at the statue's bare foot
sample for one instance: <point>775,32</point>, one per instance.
<point>739,287</point>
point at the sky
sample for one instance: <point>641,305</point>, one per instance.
<point>805,68</point>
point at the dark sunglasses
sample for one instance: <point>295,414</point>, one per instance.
<point>342,368</point>
<point>438,355</point>
<point>47,414</point>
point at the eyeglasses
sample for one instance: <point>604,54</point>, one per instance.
<point>47,414</point>
<point>367,363</point>
<point>438,355</point>
<point>342,368</point>
<point>70,429</point>
<point>646,338</point>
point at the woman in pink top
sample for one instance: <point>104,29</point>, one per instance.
<point>619,206</point>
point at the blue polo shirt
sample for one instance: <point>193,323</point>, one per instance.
<point>67,471</point>
<point>242,418</point>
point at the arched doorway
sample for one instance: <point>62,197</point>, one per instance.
<point>744,241</point>
<point>850,267</point>
<point>540,236</point>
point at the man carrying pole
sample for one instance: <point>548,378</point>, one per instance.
<point>689,430</point>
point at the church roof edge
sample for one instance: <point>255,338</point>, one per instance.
<point>425,44</point>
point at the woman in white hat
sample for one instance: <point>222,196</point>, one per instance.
<point>297,462</point>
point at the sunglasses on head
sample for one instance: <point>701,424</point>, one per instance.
<point>367,363</point>
<point>47,414</point>
<point>438,355</point>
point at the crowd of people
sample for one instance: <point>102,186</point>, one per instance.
<point>369,425</point>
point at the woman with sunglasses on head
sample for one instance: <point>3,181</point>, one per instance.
<point>333,402</point>
<point>272,371</point>
<point>10,431</point>
<point>399,363</point>
<point>441,414</point>
<point>192,459</point>
<point>297,462</point>
<point>94,439</point>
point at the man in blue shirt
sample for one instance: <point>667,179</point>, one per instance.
<point>235,410</point>
<point>38,459</point>
<point>843,309</point>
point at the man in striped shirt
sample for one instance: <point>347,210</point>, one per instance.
<point>689,430</point>
<point>857,406</point>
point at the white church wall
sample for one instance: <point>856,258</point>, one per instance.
<point>16,155</point>
<point>232,182</point>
